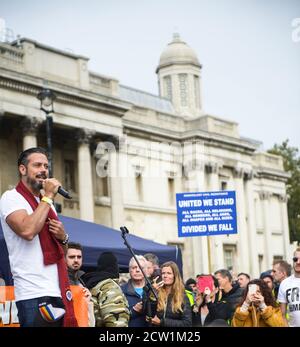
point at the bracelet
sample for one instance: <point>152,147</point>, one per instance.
<point>65,240</point>
<point>47,200</point>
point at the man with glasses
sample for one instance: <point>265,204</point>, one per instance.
<point>289,294</point>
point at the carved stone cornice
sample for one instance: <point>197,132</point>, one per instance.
<point>264,195</point>
<point>283,198</point>
<point>85,136</point>
<point>248,174</point>
<point>193,165</point>
<point>238,172</point>
<point>212,167</point>
<point>30,125</point>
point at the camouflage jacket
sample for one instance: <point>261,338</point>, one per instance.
<point>110,304</point>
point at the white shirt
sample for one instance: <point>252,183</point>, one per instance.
<point>289,293</point>
<point>32,279</point>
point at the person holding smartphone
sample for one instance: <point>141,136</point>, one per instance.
<point>258,308</point>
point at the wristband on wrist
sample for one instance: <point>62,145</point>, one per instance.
<point>47,200</point>
<point>65,240</point>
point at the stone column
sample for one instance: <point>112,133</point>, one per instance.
<point>253,259</point>
<point>285,225</point>
<point>214,242</point>
<point>265,197</point>
<point>86,196</point>
<point>243,251</point>
<point>30,127</point>
<point>115,184</point>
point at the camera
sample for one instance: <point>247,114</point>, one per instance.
<point>149,303</point>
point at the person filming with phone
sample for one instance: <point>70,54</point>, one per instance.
<point>210,308</point>
<point>173,307</point>
<point>258,308</point>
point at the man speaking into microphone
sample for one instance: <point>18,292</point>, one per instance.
<point>35,240</point>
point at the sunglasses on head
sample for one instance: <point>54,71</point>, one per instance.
<point>295,259</point>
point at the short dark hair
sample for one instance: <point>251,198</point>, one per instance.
<point>23,156</point>
<point>243,274</point>
<point>74,245</point>
<point>152,258</point>
<point>284,266</point>
<point>224,273</point>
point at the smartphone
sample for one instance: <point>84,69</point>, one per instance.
<point>157,272</point>
<point>203,282</point>
<point>252,289</point>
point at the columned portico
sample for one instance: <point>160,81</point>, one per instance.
<point>30,127</point>
<point>86,196</point>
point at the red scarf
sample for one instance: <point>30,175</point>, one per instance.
<point>53,254</point>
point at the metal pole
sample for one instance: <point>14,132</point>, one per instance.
<point>208,254</point>
<point>49,122</point>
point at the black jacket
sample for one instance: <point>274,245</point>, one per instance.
<point>177,319</point>
<point>233,298</point>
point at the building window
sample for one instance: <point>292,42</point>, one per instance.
<point>69,182</point>
<point>183,87</point>
<point>197,91</point>
<point>224,185</point>
<point>229,257</point>
<point>168,87</point>
<point>139,187</point>
<point>171,191</point>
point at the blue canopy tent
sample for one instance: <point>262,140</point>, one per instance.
<point>96,238</point>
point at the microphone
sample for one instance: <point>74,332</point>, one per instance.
<point>64,193</point>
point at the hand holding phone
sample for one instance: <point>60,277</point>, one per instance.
<point>205,281</point>
<point>252,289</point>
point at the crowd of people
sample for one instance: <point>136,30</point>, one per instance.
<point>44,263</point>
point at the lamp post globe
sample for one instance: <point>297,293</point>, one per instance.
<point>46,97</point>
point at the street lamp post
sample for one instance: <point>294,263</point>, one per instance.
<point>46,96</point>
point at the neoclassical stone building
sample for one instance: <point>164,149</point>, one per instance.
<point>164,144</point>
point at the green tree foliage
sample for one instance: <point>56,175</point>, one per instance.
<point>291,162</point>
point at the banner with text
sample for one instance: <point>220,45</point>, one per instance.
<point>206,213</point>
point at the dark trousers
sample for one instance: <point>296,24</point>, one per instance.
<point>29,314</point>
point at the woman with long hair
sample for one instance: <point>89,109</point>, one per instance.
<point>173,307</point>
<point>258,308</point>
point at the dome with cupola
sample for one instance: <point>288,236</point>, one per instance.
<point>178,52</point>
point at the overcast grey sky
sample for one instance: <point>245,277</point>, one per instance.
<point>251,64</point>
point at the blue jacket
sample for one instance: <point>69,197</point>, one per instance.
<point>136,319</point>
